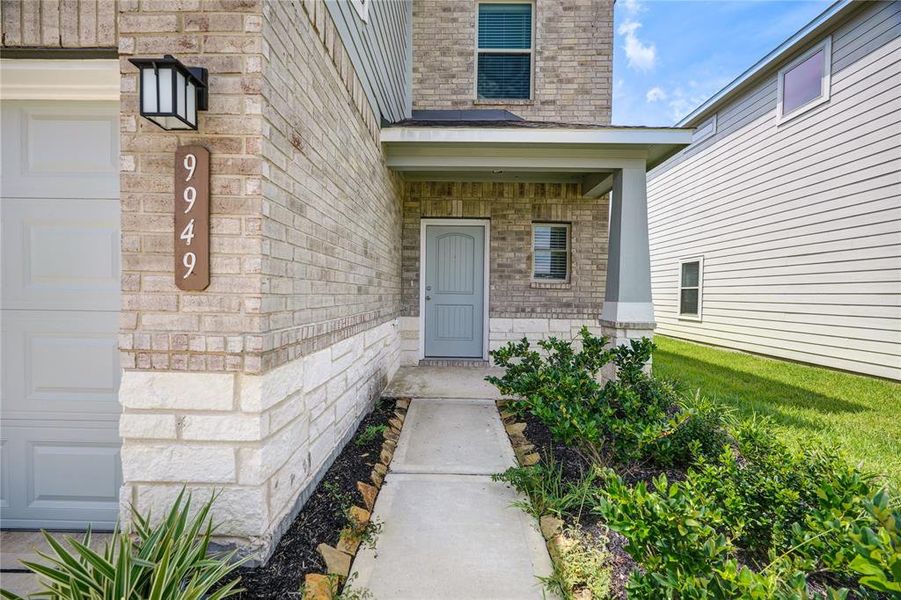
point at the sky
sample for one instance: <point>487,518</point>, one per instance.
<point>672,55</point>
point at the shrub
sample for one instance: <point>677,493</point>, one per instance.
<point>784,513</point>
<point>622,421</point>
<point>547,490</point>
<point>878,546</point>
<point>168,561</point>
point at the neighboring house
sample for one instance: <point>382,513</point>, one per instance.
<point>390,182</point>
<point>778,231</point>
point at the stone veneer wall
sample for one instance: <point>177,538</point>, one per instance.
<point>253,386</point>
<point>59,23</point>
<point>573,81</point>
<point>518,306</point>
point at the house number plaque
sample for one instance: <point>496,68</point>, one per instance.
<point>192,218</point>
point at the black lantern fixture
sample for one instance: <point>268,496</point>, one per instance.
<point>171,93</point>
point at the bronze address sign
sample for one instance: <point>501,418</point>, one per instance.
<point>192,218</point>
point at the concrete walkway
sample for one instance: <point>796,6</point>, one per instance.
<point>448,531</point>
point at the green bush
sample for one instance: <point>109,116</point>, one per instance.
<point>878,546</point>
<point>625,420</point>
<point>168,561</point>
<point>784,513</point>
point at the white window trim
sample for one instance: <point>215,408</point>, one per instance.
<point>825,81</point>
<point>712,132</point>
<point>362,8</point>
<point>530,52</point>
<point>568,227</point>
<point>690,317</point>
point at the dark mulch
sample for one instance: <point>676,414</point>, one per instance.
<point>320,520</point>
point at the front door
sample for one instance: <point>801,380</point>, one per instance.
<point>454,291</point>
<point>60,315</point>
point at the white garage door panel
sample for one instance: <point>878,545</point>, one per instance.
<point>60,365</point>
<point>60,301</point>
<point>61,254</point>
<point>66,476</point>
<point>60,149</point>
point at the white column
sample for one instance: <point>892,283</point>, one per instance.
<point>628,309</point>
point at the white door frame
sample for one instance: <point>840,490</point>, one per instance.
<point>423,224</point>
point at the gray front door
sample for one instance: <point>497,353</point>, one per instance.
<point>454,290</point>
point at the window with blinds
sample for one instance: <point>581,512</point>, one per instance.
<point>550,251</point>
<point>504,62</point>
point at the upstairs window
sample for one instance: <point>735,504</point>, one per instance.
<point>550,250</point>
<point>804,82</point>
<point>504,55</point>
<point>704,130</point>
<point>691,277</point>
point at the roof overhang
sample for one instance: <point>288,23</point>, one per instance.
<point>587,155</point>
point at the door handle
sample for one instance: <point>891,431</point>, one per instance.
<point>428,297</point>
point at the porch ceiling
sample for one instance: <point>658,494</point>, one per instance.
<point>586,155</point>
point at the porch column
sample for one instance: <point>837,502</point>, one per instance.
<point>628,310</point>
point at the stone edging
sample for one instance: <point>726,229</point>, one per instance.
<point>552,528</point>
<point>338,558</point>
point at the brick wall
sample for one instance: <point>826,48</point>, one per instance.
<point>512,207</point>
<point>332,208</point>
<point>219,329</point>
<point>573,59</point>
<point>59,23</point>
<point>255,384</point>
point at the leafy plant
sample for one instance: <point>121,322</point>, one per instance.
<point>784,513</point>
<point>623,421</point>
<point>583,565</point>
<point>370,434</point>
<point>878,558</point>
<point>547,490</point>
<point>341,499</point>
<point>167,561</point>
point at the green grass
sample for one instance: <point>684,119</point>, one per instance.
<point>859,414</point>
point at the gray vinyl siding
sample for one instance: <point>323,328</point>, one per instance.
<point>799,224</point>
<point>381,50</point>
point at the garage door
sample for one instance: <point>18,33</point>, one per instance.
<point>60,302</point>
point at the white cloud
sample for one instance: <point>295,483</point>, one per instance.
<point>640,56</point>
<point>655,94</point>
<point>633,7</point>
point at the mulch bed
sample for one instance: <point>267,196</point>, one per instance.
<point>320,520</point>
<point>574,465</point>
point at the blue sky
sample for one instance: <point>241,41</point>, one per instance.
<point>671,55</point>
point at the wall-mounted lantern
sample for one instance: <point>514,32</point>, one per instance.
<point>171,93</point>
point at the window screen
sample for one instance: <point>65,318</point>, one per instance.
<point>690,289</point>
<point>551,251</point>
<point>504,51</point>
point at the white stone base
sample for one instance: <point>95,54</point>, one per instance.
<point>263,440</point>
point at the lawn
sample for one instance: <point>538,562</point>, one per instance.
<point>861,415</point>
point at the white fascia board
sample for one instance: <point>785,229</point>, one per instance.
<point>608,136</point>
<point>59,79</point>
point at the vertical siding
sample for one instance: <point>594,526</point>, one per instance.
<point>799,224</point>
<point>380,50</point>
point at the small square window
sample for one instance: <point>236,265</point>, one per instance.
<point>550,252</point>
<point>691,277</point>
<point>804,83</point>
<point>504,49</point>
